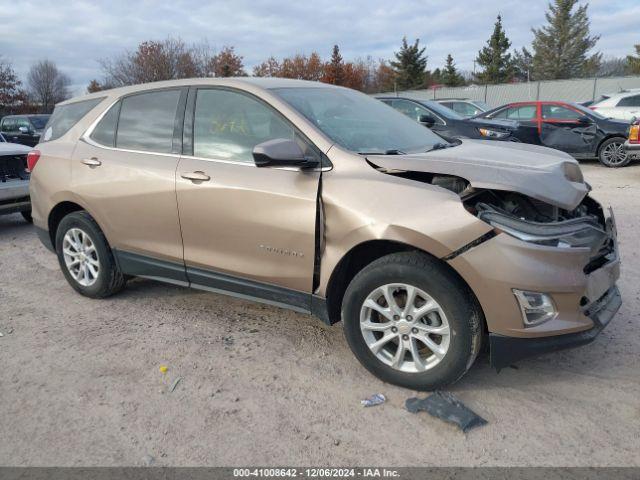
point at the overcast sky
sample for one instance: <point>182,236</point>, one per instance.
<point>76,34</point>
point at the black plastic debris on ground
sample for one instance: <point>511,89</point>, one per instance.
<point>447,407</point>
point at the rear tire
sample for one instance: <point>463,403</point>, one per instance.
<point>452,310</point>
<point>85,257</point>
<point>611,153</point>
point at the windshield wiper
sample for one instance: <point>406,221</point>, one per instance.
<point>392,151</point>
<point>441,146</point>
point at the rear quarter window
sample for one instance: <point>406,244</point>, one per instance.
<point>66,116</point>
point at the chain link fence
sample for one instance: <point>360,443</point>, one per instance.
<point>578,90</point>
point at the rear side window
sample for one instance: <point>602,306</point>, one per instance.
<point>632,101</point>
<point>9,125</point>
<point>147,121</point>
<point>105,131</point>
<point>66,116</point>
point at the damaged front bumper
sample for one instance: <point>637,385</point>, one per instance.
<point>581,284</point>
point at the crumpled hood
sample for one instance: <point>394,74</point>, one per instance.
<point>531,170</point>
<point>498,123</point>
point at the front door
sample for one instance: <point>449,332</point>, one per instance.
<point>245,229</point>
<point>127,179</point>
<point>566,129</point>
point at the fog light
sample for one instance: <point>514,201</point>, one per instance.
<point>536,308</point>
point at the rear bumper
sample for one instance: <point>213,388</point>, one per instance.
<point>507,350</point>
<point>14,196</point>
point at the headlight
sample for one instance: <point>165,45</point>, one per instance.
<point>488,133</point>
<point>572,172</point>
<point>573,233</point>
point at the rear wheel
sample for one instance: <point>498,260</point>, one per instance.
<point>410,321</point>
<point>85,257</point>
<point>612,153</point>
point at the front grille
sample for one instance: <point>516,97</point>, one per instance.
<point>13,167</point>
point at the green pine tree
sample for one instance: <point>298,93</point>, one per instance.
<point>633,62</point>
<point>410,65</point>
<point>523,65</point>
<point>450,76</point>
<point>494,58</point>
<point>561,48</point>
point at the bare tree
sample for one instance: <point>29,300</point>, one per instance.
<point>12,96</point>
<point>47,84</point>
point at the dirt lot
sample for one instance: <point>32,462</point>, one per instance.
<point>80,385</point>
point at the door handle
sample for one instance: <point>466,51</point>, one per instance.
<point>196,176</point>
<point>92,162</point>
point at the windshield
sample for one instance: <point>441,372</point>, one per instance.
<point>482,105</point>
<point>39,122</point>
<point>442,110</point>
<point>588,111</point>
<point>358,122</point>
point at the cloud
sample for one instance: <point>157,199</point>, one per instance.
<point>77,34</point>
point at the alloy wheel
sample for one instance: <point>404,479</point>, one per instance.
<point>614,154</point>
<point>404,327</point>
<point>80,257</point>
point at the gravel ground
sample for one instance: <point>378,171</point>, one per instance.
<point>80,381</point>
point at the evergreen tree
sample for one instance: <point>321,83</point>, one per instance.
<point>523,65</point>
<point>450,76</point>
<point>560,48</point>
<point>410,65</point>
<point>494,58</point>
<point>633,62</point>
<point>334,70</point>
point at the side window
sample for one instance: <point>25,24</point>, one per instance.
<point>466,109</point>
<point>147,121</point>
<point>66,116</point>
<point>410,109</point>
<point>227,125</point>
<point>23,122</point>
<point>105,131</point>
<point>632,101</point>
<point>558,112</point>
<point>9,125</point>
<point>524,112</point>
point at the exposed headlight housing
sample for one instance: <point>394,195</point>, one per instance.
<point>536,307</point>
<point>489,133</point>
<point>583,232</point>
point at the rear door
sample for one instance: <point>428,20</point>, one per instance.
<point>567,129</point>
<point>124,171</point>
<point>629,107</point>
<point>245,229</point>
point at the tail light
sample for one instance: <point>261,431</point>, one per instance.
<point>634,133</point>
<point>32,158</point>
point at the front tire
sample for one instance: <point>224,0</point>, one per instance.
<point>611,153</point>
<point>85,257</point>
<point>412,322</point>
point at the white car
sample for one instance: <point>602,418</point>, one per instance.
<point>624,105</point>
<point>14,179</point>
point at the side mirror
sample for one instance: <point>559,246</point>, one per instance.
<point>281,152</point>
<point>584,120</point>
<point>23,130</point>
<point>427,120</point>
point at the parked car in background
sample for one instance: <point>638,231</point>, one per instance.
<point>451,125</point>
<point>324,200</point>
<point>624,105</point>
<point>572,128</point>
<point>632,145</point>
<point>464,107</point>
<point>14,179</point>
<point>24,129</point>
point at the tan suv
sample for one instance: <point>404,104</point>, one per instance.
<point>324,200</point>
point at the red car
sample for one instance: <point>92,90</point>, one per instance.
<point>572,128</point>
